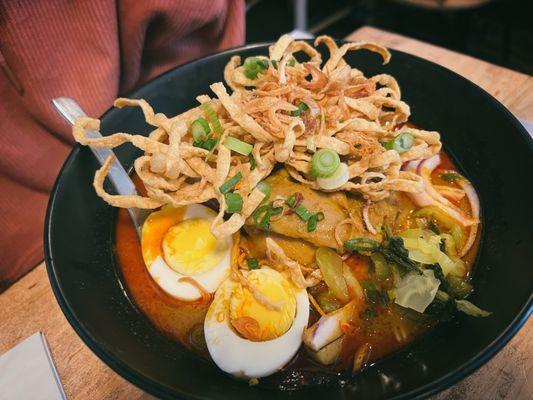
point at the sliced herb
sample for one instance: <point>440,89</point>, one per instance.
<point>233,203</point>
<point>300,109</point>
<point>395,252</point>
<point>212,149</point>
<point>302,212</point>
<point>262,215</point>
<point>230,183</point>
<point>252,263</point>
<point>252,161</point>
<point>207,144</point>
<point>361,244</point>
<point>294,199</point>
<point>313,221</point>
<point>253,66</point>
<point>451,176</point>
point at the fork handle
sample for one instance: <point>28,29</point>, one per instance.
<point>119,178</point>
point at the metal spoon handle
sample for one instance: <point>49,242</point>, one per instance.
<point>119,178</point>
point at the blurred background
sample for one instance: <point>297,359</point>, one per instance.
<point>498,31</point>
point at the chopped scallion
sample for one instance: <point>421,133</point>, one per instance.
<point>291,201</point>
<point>252,161</point>
<point>300,109</point>
<point>233,203</point>
<point>302,212</point>
<point>313,221</point>
<point>324,163</point>
<point>451,176</point>
<point>361,244</point>
<point>212,118</point>
<point>266,211</point>
<point>401,143</point>
<point>264,187</point>
<point>238,146</point>
<point>213,146</point>
<point>253,66</point>
<point>200,129</point>
<point>252,263</point>
<point>259,211</point>
<point>207,144</point>
<point>228,185</point>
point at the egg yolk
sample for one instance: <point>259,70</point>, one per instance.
<point>154,229</point>
<point>190,248</point>
<point>254,321</point>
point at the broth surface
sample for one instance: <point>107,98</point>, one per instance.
<point>382,328</point>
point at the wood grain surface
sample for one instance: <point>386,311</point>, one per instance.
<point>29,305</point>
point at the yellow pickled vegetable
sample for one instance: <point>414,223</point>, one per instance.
<point>330,264</point>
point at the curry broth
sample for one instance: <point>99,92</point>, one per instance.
<point>383,331</point>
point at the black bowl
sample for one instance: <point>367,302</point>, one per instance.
<point>489,145</point>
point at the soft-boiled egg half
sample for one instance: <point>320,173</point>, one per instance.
<point>178,246</point>
<point>249,340</point>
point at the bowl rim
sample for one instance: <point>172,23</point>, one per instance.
<point>153,387</point>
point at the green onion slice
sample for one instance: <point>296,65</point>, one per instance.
<point>266,211</point>
<point>301,108</point>
<point>259,211</point>
<point>233,203</point>
<point>291,201</point>
<point>264,187</point>
<point>212,118</point>
<point>361,244</point>
<point>324,163</point>
<point>200,129</point>
<point>228,185</point>
<point>238,146</point>
<point>294,199</point>
<point>252,161</point>
<point>252,263</point>
<point>253,66</point>
<point>401,143</point>
<point>313,221</point>
<point>213,146</point>
<point>451,176</point>
<point>207,144</point>
<point>302,212</point>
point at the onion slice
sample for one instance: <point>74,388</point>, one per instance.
<point>475,209</point>
<point>328,328</point>
<point>339,178</point>
<point>430,196</point>
<point>449,192</point>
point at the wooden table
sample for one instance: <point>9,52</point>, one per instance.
<point>29,305</point>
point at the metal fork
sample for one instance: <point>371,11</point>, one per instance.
<point>70,111</point>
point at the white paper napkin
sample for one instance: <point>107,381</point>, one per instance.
<point>528,125</point>
<point>27,372</point>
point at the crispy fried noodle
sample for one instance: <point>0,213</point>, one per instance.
<point>348,113</point>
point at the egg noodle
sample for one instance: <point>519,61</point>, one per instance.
<point>348,113</point>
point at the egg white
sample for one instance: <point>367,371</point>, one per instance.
<point>245,358</point>
<point>168,279</point>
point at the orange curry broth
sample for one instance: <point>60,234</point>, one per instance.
<point>178,319</point>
